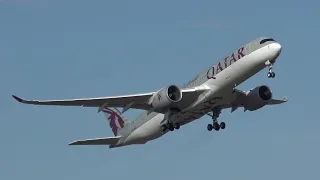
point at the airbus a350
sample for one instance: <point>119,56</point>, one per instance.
<point>169,108</point>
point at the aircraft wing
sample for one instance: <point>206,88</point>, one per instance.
<point>136,101</point>
<point>240,95</point>
<point>278,101</point>
<point>113,101</point>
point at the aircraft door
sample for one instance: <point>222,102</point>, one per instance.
<point>248,50</point>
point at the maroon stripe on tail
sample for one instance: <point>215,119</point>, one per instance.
<point>114,116</point>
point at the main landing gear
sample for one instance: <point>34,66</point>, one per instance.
<point>170,116</point>
<point>170,126</point>
<point>215,125</point>
<point>271,74</point>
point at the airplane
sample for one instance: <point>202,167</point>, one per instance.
<point>211,91</point>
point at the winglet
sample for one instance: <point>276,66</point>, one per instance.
<point>18,99</point>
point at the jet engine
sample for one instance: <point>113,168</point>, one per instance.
<point>257,98</point>
<point>166,97</point>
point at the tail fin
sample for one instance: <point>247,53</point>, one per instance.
<point>115,118</point>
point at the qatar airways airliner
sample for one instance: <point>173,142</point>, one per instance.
<point>213,89</point>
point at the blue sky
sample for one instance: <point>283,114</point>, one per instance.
<point>72,49</point>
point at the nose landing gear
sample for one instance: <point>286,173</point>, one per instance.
<point>270,74</point>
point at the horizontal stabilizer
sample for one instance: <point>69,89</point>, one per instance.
<point>97,141</point>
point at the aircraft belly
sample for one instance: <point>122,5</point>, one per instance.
<point>203,106</point>
<point>146,132</point>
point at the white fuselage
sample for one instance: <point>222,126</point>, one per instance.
<point>221,86</point>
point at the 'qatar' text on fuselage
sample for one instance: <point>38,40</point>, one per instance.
<point>227,61</point>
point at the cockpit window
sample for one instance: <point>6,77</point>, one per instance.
<point>266,40</point>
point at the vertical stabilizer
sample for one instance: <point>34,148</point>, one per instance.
<point>115,118</point>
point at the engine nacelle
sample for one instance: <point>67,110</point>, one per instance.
<point>257,98</point>
<point>166,98</point>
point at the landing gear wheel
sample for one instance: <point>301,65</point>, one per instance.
<point>176,125</point>
<point>216,126</point>
<point>271,74</point>
<point>170,127</point>
<point>222,125</point>
<point>215,115</point>
<point>163,127</point>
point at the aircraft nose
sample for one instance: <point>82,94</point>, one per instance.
<point>276,48</point>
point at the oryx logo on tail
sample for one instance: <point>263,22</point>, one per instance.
<point>115,120</point>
